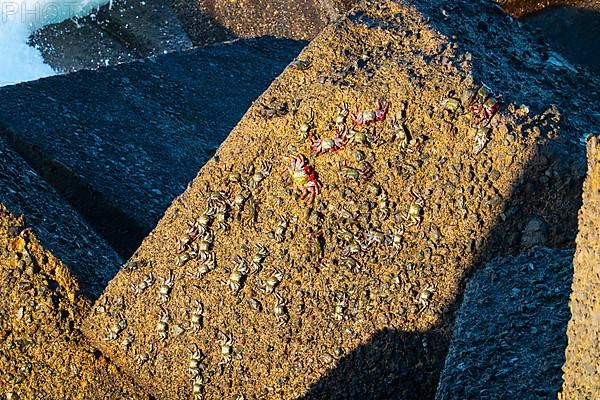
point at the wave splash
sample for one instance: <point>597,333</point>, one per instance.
<point>20,62</point>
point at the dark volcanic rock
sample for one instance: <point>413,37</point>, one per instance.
<point>120,143</point>
<point>509,337</point>
<point>57,226</point>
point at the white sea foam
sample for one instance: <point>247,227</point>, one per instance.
<point>18,20</point>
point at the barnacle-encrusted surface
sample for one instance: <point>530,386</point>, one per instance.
<point>355,292</point>
<point>582,366</point>
<point>43,355</point>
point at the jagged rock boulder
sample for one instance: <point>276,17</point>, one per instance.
<point>509,335</point>
<point>59,228</point>
<point>43,355</point>
<point>248,288</point>
<point>582,366</point>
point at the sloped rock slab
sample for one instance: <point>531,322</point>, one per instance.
<point>120,143</point>
<point>43,355</point>
<point>582,365</point>
<point>121,31</point>
<point>509,337</point>
<point>58,227</point>
<point>246,289</point>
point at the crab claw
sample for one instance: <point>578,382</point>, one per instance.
<point>381,109</point>
<point>357,117</point>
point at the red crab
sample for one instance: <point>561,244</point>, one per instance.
<point>320,146</point>
<point>485,105</point>
<point>370,116</point>
<point>303,176</point>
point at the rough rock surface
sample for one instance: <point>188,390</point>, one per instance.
<point>509,337</point>
<point>582,366</point>
<point>43,355</point>
<point>210,20</point>
<point>116,33</point>
<point>120,159</point>
<point>245,289</point>
<point>58,227</point>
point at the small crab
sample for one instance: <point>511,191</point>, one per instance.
<point>197,316</point>
<point>304,176</point>
<point>116,328</point>
<point>238,274</point>
<point>144,284</point>
<point>357,135</point>
<point>221,216</point>
<point>340,118</point>
<point>195,363</point>
<point>364,173</point>
<point>280,310</point>
<point>279,233</point>
<point>482,137</point>
<point>425,296</point>
<point>301,65</point>
<point>337,142</point>
<point>259,176</point>
<point>225,343</point>
<point>484,105</point>
<point>162,327</point>
<point>198,387</point>
<point>274,109</point>
<point>415,211</point>
<point>370,116</point>
<point>165,287</point>
<point>272,281</point>
<point>307,126</point>
<point>261,253</point>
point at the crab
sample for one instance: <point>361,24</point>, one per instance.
<point>320,146</point>
<point>162,327</point>
<point>238,274</point>
<point>225,343</point>
<point>484,105</point>
<point>307,126</point>
<point>340,118</point>
<point>415,211</point>
<point>370,116</point>
<point>165,287</point>
<point>195,363</point>
<point>364,173</point>
<point>280,310</point>
<point>303,176</point>
<point>197,316</point>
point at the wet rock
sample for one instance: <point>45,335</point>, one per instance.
<point>123,31</point>
<point>581,378</point>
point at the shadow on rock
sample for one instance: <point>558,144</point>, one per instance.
<point>392,365</point>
